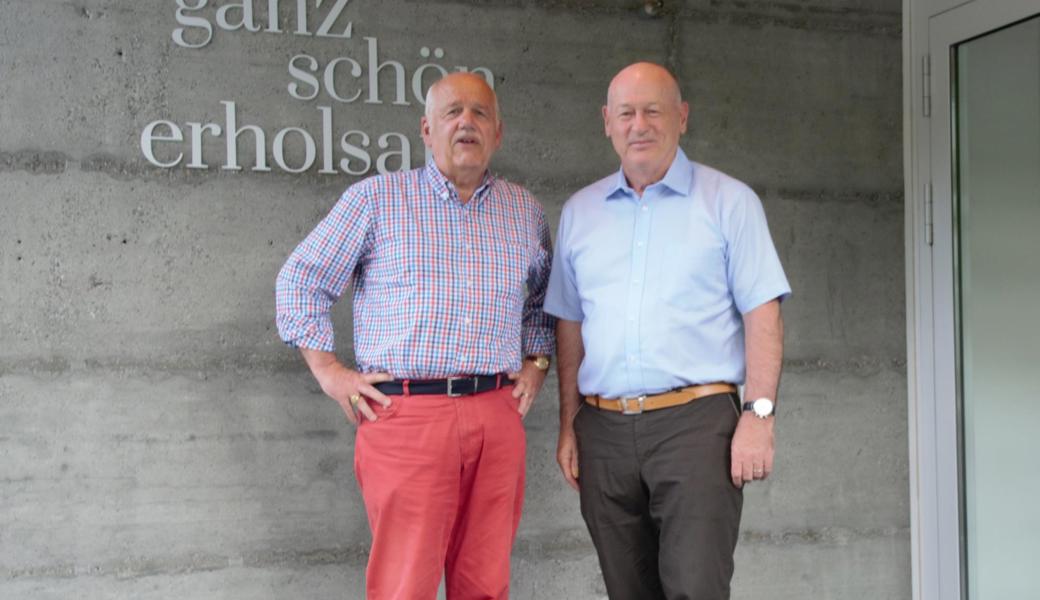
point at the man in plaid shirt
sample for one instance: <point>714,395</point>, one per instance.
<point>449,267</point>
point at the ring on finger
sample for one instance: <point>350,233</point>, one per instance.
<point>354,399</point>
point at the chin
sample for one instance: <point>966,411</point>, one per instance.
<point>469,157</point>
<point>643,159</point>
<point>470,164</point>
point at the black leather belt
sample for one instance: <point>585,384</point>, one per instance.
<point>452,386</point>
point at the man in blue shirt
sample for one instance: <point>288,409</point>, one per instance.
<point>667,287</point>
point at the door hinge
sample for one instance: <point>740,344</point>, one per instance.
<point>928,227</point>
<point>926,85</point>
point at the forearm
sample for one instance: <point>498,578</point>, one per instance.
<point>321,363</point>
<point>764,350</point>
<point>569,353</point>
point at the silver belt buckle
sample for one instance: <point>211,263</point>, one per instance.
<point>451,387</point>
<point>639,400</point>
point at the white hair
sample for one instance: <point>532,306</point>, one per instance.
<point>428,101</point>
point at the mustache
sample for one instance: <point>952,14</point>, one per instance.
<point>467,136</point>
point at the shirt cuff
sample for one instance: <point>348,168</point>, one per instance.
<point>307,332</point>
<point>538,340</point>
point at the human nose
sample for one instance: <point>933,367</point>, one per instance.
<point>639,122</point>
<point>467,119</point>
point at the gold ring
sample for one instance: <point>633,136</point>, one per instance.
<point>354,399</point>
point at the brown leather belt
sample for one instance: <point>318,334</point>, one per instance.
<point>634,405</point>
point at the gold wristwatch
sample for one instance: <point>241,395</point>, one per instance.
<point>541,362</point>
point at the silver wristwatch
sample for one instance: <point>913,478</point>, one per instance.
<point>762,407</point>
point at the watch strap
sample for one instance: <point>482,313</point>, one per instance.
<point>750,407</point>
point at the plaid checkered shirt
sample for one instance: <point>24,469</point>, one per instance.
<point>439,286</point>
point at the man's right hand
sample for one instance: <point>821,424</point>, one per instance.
<point>569,353</point>
<point>567,455</point>
<point>342,384</point>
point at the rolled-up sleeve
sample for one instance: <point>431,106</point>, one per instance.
<point>318,272</point>
<point>537,336</point>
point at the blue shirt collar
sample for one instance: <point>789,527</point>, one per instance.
<point>678,179</point>
<point>445,189</point>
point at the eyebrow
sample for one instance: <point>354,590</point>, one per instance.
<point>459,104</point>
<point>647,105</point>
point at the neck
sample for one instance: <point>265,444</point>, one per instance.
<point>465,190</point>
<point>640,177</point>
<point>466,181</point>
<point>639,181</point>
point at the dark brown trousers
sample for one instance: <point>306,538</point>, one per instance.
<point>657,498</point>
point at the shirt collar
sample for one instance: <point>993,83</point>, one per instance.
<point>678,178</point>
<point>445,190</point>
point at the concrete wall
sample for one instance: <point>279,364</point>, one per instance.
<point>158,441</point>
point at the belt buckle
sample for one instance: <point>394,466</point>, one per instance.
<point>625,410</point>
<point>451,387</point>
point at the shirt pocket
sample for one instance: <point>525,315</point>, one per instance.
<point>390,264</point>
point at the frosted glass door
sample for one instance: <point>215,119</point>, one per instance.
<point>996,109</point>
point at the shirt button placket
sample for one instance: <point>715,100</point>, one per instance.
<point>469,299</point>
<point>636,291</point>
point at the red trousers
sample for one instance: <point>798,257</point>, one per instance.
<point>443,484</point>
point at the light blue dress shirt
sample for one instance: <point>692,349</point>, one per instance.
<point>660,283</point>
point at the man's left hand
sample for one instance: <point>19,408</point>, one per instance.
<point>752,449</point>
<point>526,385</point>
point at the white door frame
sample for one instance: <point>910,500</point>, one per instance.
<point>931,29</point>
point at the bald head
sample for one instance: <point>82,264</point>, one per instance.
<point>644,118</point>
<point>645,74</point>
<point>472,80</point>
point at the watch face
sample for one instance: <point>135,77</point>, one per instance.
<point>541,362</point>
<point>763,407</point>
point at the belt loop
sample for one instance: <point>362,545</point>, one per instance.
<point>498,381</point>
<point>404,387</point>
